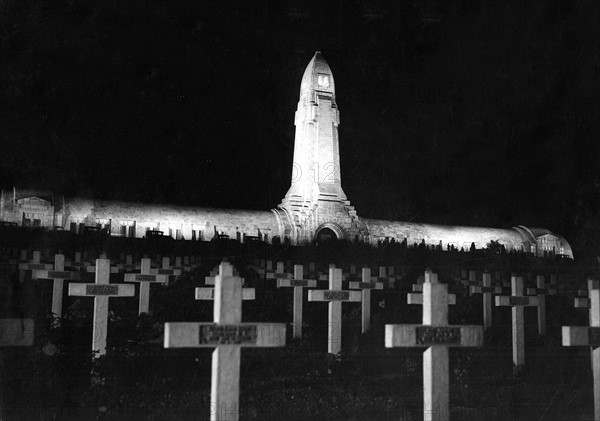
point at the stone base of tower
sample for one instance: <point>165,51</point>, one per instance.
<point>303,223</point>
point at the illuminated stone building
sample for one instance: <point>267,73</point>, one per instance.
<point>314,206</point>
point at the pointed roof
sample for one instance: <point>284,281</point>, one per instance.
<point>310,79</point>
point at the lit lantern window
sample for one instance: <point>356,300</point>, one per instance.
<point>323,81</point>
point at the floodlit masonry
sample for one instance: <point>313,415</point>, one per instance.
<point>315,205</point>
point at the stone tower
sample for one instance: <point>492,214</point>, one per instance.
<point>315,200</point>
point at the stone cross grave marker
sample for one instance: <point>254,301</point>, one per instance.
<point>298,283</point>
<point>584,302</point>
<point>16,332</point>
<point>417,297</point>
<point>471,282</point>
<point>58,275</point>
<point>91,268</point>
<point>279,273</point>
<point>366,285</point>
<point>541,291</point>
<point>436,336</point>
<point>34,264</point>
<point>227,335</point>
<point>101,290</point>
<point>210,279</point>
<point>179,266</point>
<point>145,278</point>
<point>486,290</point>
<point>388,281</point>
<point>589,336</point>
<point>128,265</point>
<point>517,301</point>
<point>77,262</point>
<point>166,269</point>
<point>335,296</point>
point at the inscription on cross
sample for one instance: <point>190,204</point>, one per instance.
<point>101,290</point>
<point>436,336</point>
<point>145,279</point>
<point>589,336</point>
<point>298,283</point>
<point>335,296</point>
<point>58,275</point>
<point>517,301</point>
<point>227,334</point>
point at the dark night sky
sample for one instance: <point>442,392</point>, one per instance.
<point>459,112</point>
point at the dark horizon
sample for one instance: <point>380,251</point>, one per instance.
<point>458,113</point>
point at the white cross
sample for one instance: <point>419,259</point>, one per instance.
<point>145,278</point>
<point>35,264</point>
<point>417,298</point>
<point>101,290</point>
<point>589,336</point>
<point>58,275</point>
<point>517,301</point>
<point>541,291</point>
<point>298,283</point>
<point>486,290</point>
<point>335,296</point>
<point>166,269</point>
<point>436,335</point>
<point>366,286</point>
<point>227,335</point>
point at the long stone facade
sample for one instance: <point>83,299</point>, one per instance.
<point>315,205</point>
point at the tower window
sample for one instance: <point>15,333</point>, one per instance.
<point>323,81</point>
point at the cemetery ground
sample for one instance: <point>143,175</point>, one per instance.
<point>57,378</point>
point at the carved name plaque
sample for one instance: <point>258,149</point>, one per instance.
<point>367,285</point>
<point>298,283</point>
<point>518,301</point>
<point>59,275</point>
<point>145,278</point>
<point>101,290</point>
<point>227,334</point>
<point>594,336</point>
<point>431,335</point>
<point>165,271</point>
<point>36,266</point>
<point>336,295</point>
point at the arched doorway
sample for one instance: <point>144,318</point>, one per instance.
<point>326,235</point>
<point>329,232</point>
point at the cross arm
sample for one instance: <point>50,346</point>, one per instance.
<point>308,283</point>
<point>503,300</point>
<point>481,290</point>
<point>54,274</point>
<point>418,299</point>
<point>209,293</point>
<point>425,336</point>
<point>334,295</point>
<point>210,335</point>
<point>576,336</point>
<point>111,290</point>
<point>138,277</point>
<point>365,285</point>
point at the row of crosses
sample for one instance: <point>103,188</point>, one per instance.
<point>228,334</point>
